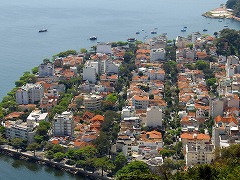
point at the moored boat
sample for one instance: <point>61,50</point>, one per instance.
<point>131,39</point>
<point>93,38</point>
<point>42,30</point>
<point>153,32</point>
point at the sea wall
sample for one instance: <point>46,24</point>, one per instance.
<point>70,169</point>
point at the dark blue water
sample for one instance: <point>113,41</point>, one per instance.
<point>13,169</point>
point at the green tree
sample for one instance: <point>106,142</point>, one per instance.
<point>2,130</point>
<point>38,138</point>
<point>128,56</point>
<point>138,175</point>
<point>134,166</point>
<point>58,148</point>
<point>104,163</point>
<point>3,140</point>
<point>167,153</point>
<point>120,161</point>
<point>49,154</point>
<point>33,147</point>
<point>35,70</point>
<point>201,65</point>
<point>59,156</point>
<point>83,50</point>
<point>18,143</point>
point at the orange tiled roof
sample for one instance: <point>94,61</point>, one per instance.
<point>98,118</point>
<point>14,115</point>
<point>195,136</point>
<point>140,98</point>
<point>225,119</point>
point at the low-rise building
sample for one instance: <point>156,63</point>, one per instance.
<point>92,102</point>
<point>37,116</point>
<point>140,101</point>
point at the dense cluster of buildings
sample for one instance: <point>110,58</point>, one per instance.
<point>145,104</point>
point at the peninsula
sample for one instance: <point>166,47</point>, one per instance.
<point>131,110</point>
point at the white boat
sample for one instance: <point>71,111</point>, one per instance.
<point>93,38</point>
<point>42,30</point>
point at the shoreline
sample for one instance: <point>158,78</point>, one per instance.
<point>220,13</point>
<point>34,159</point>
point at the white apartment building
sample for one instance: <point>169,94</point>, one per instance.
<point>46,70</point>
<point>89,73</point>
<point>157,54</point>
<point>154,116</point>
<point>37,116</point>
<point>20,129</point>
<point>92,102</point>
<point>128,111</point>
<point>29,93</point>
<point>199,154</point>
<point>63,124</point>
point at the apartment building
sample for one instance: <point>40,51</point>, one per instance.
<point>199,154</point>
<point>20,129</point>
<point>63,124</point>
<point>29,94</point>
<point>92,102</point>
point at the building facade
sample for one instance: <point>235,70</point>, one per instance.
<point>63,124</point>
<point>29,93</point>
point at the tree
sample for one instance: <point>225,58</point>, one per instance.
<point>38,138</point>
<point>3,141</point>
<point>120,161</point>
<point>35,70</point>
<point>201,65</point>
<point>58,156</point>
<point>211,82</point>
<point>57,148</point>
<point>46,61</point>
<point>128,56</point>
<point>2,130</point>
<point>102,143</point>
<point>138,175</point>
<point>103,163</point>
<point>33,147</point>
<point>49,154</point>
<point>83,50</point>
<point>17,143</point>
<point>134,166</point>
<point>167,153</point>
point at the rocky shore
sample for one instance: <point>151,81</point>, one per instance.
<point>220,13</point>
